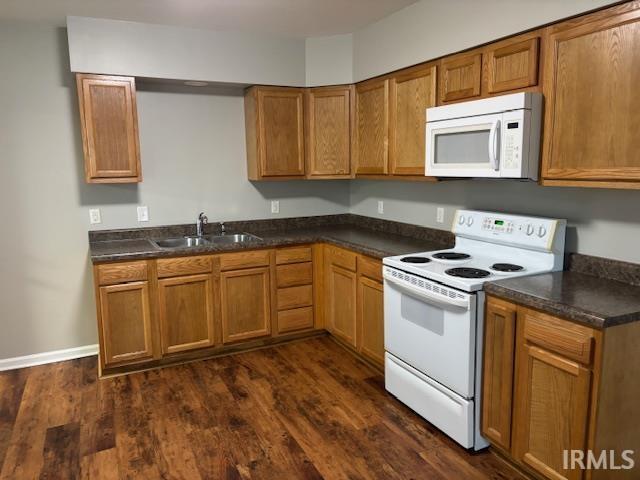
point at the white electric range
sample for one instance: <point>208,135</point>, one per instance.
<point>434,313</point>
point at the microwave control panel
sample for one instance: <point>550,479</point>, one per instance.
<point>515,148</point>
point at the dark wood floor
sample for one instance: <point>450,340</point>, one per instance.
<point>303,410</point>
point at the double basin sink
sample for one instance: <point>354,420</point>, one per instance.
<point>184,242</point>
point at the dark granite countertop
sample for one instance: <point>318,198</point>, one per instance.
<point>367,241</point>
<point>593,301</point>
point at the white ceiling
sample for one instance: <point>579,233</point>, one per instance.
<point>300,18</point>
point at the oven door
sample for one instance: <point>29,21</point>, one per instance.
<point>464,147</point>
<point>432,328</point>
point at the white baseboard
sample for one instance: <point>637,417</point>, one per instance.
<point>47,357</point>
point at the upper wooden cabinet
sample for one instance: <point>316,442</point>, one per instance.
<point>512,64</point>
<point>274,132</point>
<point>460,76</point>
<point>109,123</point>
<point>592,112</point>
<point>329,113</point>
<point>411,92</point>
<point>372,126</point>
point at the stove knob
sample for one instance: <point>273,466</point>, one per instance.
<point>542,231</point>
<point>461,220</point>
<point>470,221</point>
<point>530,229</point>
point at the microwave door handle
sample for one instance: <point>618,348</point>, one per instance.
<point>493,148</point>
<point>426,296</point>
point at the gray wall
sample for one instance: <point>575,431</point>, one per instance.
<point>162,51</point>
<point>193,152</point>
<point>432,28</point>
<point>604,223</point>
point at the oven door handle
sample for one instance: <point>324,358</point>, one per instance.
<point>427,296</point>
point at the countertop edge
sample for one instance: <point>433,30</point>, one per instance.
<point>562,310</point>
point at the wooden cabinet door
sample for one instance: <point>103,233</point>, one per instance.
<point>551,411</point>
<point>329,115</point>
<point>341,306</point>
<point>372,123</point>
<point>371,319</point>
<point>125,323</point>
<point>246,304</point>
<point>592,107</point>
<point>497,376</point>
<point>109,123</point>
<point>512,64</point>
<point>460,77</point>
<point>281,131</point>
<point>185,311</point>
<point>410,94</point>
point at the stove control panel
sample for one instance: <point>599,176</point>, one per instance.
<point>544,234</point>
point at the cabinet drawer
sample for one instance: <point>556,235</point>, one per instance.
<point>560,336</point>
<point>122,272</point>
<point>342,258</point>
<point>173,267</point>
<point>296,319</point>
<point>255,258</point>
<point>294,297</point>
<point>370,268</point>
<point>294,274</point>
<point>293,255</point>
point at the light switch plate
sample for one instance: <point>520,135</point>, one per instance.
<point>143,214</point>
<point>380,206</point>
<point>440,215</point>
<point>94,216</point>
<point>275,206</point>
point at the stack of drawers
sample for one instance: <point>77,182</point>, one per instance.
<point>294,281</point>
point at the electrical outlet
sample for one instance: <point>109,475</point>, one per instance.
<point>143,214</point>
<point>94,216</point>
<point>380,207</point>
<point>440,215</point>
<point>275,206</point>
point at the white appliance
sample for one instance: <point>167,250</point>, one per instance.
<point>496,137</point>
<point>434,313</point>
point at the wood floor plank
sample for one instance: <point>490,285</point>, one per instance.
<point>61,454</point>
<point>308,410</point>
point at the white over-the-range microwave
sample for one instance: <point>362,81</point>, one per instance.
<point>496,137</point>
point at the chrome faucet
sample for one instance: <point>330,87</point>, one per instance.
<point>202,221</point>
<point>223,230</point>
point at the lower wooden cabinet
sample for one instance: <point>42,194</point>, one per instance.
<point>156,312</point>
<point>550,386</point>
<point>185,312</point>
<point>341,303</point>
<point>371,319</point>
<point>354,306</point>
<point>245,304</point>
<point>124,318</point>
<point>552,411</point>
<point>499,351</point>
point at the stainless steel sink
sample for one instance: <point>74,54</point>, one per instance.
<point>181,242</point>
<point>234,238</point>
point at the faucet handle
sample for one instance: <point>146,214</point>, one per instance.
<point>203,218</point>
<point>223,228</point>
